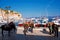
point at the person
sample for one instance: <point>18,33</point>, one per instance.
<point>25,28</point>
<point>51,28</point>
<point>55,30</point>
<point>31,27</point>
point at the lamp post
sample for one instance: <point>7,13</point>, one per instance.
<point>7,12</point>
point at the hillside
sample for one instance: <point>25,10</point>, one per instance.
<point>9,14</point>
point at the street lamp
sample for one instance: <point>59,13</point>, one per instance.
<point>7,12</point>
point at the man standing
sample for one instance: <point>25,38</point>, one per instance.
<point>50,28</point>
<point>31,26</point>
<point>56,30</point>
<point>25,28</point>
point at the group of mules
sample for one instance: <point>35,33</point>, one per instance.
<point>38,25</point>
<point>53,29</point>
<point>8,27</point>
<point>27,25</point>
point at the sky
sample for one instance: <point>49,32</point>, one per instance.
<point>33,8</point>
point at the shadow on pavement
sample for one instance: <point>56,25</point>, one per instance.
<point>35,37</point>
<point>15,36</point>
<point>44,31</point>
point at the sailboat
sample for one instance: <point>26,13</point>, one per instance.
<point>56,21</point>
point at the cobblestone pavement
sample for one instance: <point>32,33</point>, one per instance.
<point>36,35</point>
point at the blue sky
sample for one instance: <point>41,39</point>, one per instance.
<point>33,8</point>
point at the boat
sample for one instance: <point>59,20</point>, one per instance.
<point>20,22</point>
<point>44,22</point>
<point>56,21</point>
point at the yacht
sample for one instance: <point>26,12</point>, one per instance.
<point>56,21</point>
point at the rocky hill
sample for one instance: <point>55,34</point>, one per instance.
<point>9,14</point>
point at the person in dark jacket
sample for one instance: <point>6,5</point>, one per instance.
<point>56,30</point>
<point>53,28</point>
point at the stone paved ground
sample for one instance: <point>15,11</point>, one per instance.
<point>36,35</point>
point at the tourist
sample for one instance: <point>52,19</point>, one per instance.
<point>56,30</point>
<point>51,28</point>
<point>25,28</point>
<point>31,26</point>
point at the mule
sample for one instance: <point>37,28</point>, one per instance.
<point>8,27</point>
